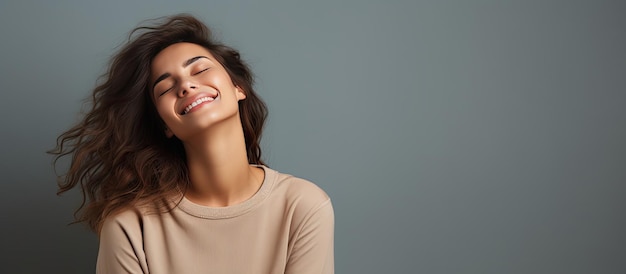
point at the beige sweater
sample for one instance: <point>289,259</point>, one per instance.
<point>286,227</point>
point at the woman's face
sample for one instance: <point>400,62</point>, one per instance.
<point>192,91</point>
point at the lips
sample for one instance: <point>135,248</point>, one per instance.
<point>197,101</point>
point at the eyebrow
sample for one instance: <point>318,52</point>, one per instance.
<point>185,64</point>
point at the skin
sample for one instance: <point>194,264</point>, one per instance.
<point>211,132</point>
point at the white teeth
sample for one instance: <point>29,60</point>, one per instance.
<point>196,103</point>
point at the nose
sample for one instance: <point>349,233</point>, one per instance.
<point>186,87</point>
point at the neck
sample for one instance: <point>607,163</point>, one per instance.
<point>218,165</point>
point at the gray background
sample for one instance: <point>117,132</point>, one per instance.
<point>452,136</point>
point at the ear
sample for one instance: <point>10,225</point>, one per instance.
<point>168,133</point>
<point>240,93</point>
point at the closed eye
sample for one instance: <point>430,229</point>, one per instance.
<point>164,92</point>
<point>201,71</point>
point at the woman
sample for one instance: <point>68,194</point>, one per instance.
<point>169,161</point>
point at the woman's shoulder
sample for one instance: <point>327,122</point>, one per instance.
<point>302,193</point>
<point>131,218</point>
<point>124,223</point>
<point>308,206</point>
<point>294,185</point>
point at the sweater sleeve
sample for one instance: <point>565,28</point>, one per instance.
<point>313,249</point>
<point>118,249</point>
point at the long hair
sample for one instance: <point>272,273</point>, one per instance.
<point>119,152</point>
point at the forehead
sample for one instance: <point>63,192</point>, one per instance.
<point>175,55</point>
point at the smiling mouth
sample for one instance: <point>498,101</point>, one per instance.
<point>197,103</point>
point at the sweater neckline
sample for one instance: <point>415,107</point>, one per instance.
<point>207,212</point>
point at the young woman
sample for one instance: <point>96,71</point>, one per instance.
<point>169,161</point>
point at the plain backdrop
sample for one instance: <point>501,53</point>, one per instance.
<point>452,136</point>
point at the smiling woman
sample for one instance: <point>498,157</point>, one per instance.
<point>169,161</point>
<point>208,93</point>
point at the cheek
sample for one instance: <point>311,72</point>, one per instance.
<point>219,79</point>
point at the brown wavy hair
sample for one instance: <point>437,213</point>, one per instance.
<point>119,152</point>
